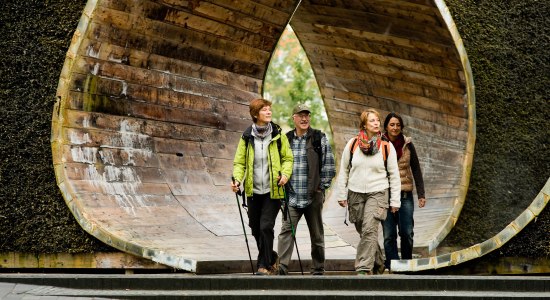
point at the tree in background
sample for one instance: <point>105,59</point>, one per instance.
<point>290,81</point>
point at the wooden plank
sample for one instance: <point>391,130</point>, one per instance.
<point>123,107</point>
<point>379,54</point>
<point>342,68</point>
<point>321,53</point>
<point>376,38</point>
<point>375,23</point>
<point>267,32</point>
<point>386,105</point>
<point>167,26</point>
<point>418,6</point>
<point>119,188</point>
<point>98,260</point>
<point>406,90</point>
<point>318,50</point>
<point>111,78</point>
<point>218,221</point>
<point>139,59</point>
<point>109,123</point>
<point>262,12</point>
<point>171,162</point>
<point>196,53</point>
<point>110,173</point>
<point>109,156</point>
<point>201,17</point>
<point>199,177</point>
<point>287,6</point>
<point>105,201</point>
<point>348,8</point>
<point>117,140</point>
<point>177,147</point>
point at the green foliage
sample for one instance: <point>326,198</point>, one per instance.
<point>290,81</point>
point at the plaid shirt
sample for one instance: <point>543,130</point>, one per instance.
<point>297,196</point>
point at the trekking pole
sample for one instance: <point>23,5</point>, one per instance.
<point>242,222</point>
<point>292,228</point>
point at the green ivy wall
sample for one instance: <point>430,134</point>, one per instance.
<point>506,42</point>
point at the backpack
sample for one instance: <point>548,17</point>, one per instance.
<point>316,142</point>
<point>385,153</point>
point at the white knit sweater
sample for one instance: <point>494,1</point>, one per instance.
<point>368,174</point>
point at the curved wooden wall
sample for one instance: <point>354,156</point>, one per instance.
<point>402,56</point>
<point>153,98</point>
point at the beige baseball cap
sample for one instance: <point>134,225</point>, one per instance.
<point>300,108</point>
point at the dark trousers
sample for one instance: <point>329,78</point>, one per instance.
<point>404,221</point>
<point>262,213</point>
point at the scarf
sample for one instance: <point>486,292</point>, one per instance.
<point>368,146</point>
<point>397,144</point>
<point>262,131</point>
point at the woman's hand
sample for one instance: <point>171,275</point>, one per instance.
<point>343,203</point>
<point>421,202</point>
<point>282,180</point>
<point>235,186</point>
<point>394,209</point>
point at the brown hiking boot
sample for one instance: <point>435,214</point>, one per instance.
<point>274,268</point>
<point>262,271</point>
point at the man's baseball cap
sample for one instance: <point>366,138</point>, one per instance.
<point>300,108</point>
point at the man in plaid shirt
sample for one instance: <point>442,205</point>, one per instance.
<point>314,168</point>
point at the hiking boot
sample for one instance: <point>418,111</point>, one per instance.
<point>262,271</point>
<point>379,269</point>
<point>273,271</point>
<point>364,273</point>
<point>274,268</point>
<point>283,270</point>
<point>318,273</point>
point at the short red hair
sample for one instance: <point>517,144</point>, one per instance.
<point>256,105</point>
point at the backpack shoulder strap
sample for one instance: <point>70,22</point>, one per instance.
<point>290,135</point>
<point>317,136</point>
<point>247,136</point>
<point>277,130</point>
<point>352,149</point>
<point>317,145</point>
<point>385,153</point>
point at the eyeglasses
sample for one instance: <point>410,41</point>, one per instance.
<point>302,116</point>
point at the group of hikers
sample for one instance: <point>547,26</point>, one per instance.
<point>291,172</point>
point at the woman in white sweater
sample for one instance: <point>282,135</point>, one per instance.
<point>369,177</point>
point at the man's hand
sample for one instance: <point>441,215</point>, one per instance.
<point>282,180</point>
<point>343,203</point>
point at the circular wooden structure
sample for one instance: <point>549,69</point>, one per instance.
<point>153,97</point>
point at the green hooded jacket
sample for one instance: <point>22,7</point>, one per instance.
<point>278,161</point>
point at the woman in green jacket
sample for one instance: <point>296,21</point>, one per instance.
<point>263,161</point>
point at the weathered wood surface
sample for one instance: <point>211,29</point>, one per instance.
<point>394,56</point>
<point>153,98</point>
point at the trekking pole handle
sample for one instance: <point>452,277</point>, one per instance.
<point>237,185</point>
